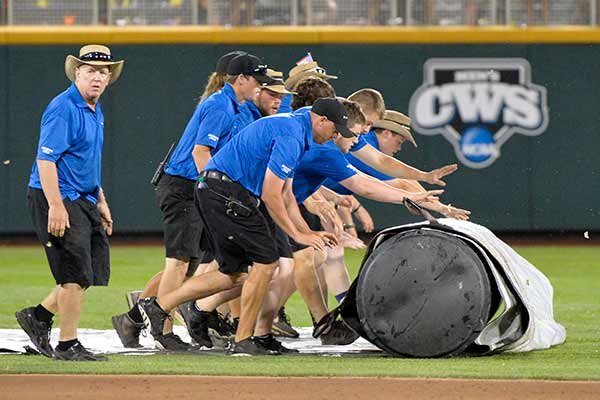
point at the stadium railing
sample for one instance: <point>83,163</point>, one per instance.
<point>299,12</point>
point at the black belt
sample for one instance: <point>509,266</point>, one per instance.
<point>216,175</point>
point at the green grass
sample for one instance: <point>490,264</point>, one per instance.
<point>574,272</point>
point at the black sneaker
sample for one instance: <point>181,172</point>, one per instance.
<point>77,353</point>
<point>38,331</point>
<point>249,347</point>
<point>283,327</point>
<point>196,323</point>
<point>154,317</point>
<point>269,342</point>
<point>235,321</point>
<point>172,342</point>
<point>128,330</point>
<point>220,330</point>
<point>339,334</point>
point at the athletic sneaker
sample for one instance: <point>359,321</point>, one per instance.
<point>339,334</point>
<point>38,331</point>
<point>219,325</point>
<point>196,323</point>
<point>128,330</point>
<point>283,327</point>
<point>172,342</point>
<point>154,317</point>
<point>249,347</point>
<point>269,342</point>
<point>132,298</point>
<point>77,353</point>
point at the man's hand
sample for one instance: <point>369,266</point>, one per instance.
<point>105,215</point>
<point>456,213</point>
<point>323,208</point>
<point>435,177</point>
<point>363,216</point>
<point>352,242</point>
<point>329,238</point>
<point>58,220</point>
<point>345,201</point>
<point>427,196</point>
<point>318,240</point>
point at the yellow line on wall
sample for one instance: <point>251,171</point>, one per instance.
<point>42,35</point>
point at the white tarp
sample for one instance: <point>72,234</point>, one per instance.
<point>532,287</point>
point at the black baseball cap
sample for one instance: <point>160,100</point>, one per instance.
<point>247,64</point>
<point>334,110</point>
<point>223,62</point>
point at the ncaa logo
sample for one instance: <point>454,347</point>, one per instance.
<point>477,104</point>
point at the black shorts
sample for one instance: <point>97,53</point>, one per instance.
<point>314,223</point>
<point>237,241</point>
<point>82,255</point>
<point>205,257</point>
<point>183,235</point>
<point>282,239</point>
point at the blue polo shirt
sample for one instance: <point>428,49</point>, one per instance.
<point>71,136</point>
<point>366,139</point>
<point>248,113</point>
<point>320,162</point>
<point>211,125</point>
<point>286,104</point>
<point>277,142</point>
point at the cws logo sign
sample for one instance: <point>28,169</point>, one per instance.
<point>477,104</point>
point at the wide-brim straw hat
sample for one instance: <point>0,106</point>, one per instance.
<point>94,54</point>
<point>302,71</point>
<point>276,84</point>
<point>398,123</point>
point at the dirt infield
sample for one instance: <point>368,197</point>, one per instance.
<point>111,387</point>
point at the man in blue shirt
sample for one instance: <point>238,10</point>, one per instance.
<point>201,314</point>
<point>208,130</point>
<point>67,204</point>
<point>244,192</point>
<point>324,161</point>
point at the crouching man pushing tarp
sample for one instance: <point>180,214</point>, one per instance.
<point>447,287</point>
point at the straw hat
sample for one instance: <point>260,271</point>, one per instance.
<point>302,71</point>
<point>396,122</point>
<point>93,54</point>
<point>276,84</point>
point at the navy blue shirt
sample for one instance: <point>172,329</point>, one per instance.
<point>321,162</point>
<point>71,136</point>
<point>277,142</point>
<point>366,139</point>
<point>211,125</point>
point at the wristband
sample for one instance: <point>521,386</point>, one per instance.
<point>349,226</point>
<point>356,209</point>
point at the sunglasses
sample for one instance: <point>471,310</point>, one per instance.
<point>96,56</point>
<point>261,70</point>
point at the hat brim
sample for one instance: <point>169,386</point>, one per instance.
<point>72,62</point>
<point>396,128</point>
<point>263,79</point>
<point>345,131</point>
<point>292,81</point>
<point>278,89</point>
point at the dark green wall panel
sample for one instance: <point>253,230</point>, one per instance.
<point>549,182</point>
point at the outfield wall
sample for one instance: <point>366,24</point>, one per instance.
<point>539,183</point>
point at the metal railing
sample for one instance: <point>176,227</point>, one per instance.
<point>299,12</point>
<point>52,12</point>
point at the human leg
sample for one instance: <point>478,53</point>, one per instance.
<point>336,273</point>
